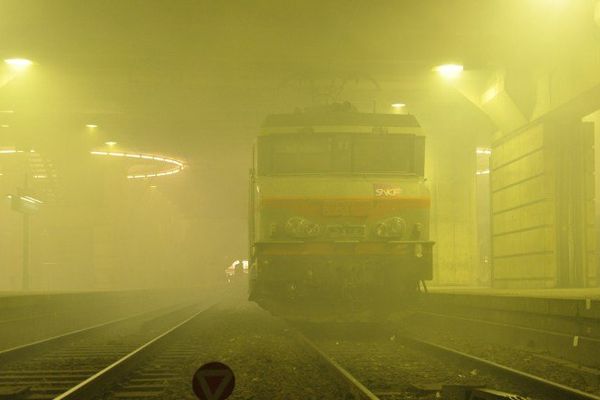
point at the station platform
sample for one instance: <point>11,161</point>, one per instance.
<point>563,323</point>
<point>569,303</point>
<point>567,293</point>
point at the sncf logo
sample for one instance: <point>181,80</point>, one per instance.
<point>387,191</point>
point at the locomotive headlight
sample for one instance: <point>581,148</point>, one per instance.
<point>302,228</point>
<point>418,250</point>
<point>417,231</point>
<point>391,227</point>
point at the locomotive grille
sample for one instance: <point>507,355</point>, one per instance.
<point>354,231</point>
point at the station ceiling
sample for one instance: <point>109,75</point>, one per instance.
<point>150,71</point>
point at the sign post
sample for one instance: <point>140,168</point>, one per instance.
<point>25,283</point>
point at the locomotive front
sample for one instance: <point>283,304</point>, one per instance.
<point>339,210</point>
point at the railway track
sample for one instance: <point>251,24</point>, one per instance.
<point>150,380</point>
<point>536,384</point>
<point>160,369</point>
<point>72,365</point>
<point>122,365</point>
<point>355,389</point>
<point>392,371</point>
<point>576,339</point>
<point>161,366</point>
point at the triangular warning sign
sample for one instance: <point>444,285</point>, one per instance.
<point>213,382</point>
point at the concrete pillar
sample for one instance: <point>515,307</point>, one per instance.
<point>453,223</point>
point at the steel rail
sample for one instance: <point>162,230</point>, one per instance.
<point>17,352</point>
<point>98,383</point>
<point>355,387</point>
<point>556,390</point>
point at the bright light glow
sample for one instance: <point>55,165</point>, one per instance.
<point>483,151</point>
<point>31,200</point>
<point>7,112</point>
<point>39,177</point>
<point>179,164</point>
<point>490,94</point>
<point>91,126</point>
<point>398,106</point>
<point>18,63</point>
<point>4,126</point>
<point>8,151</point>
<point>483,172</point>
<point>449,71</point>
<point>111,143</point>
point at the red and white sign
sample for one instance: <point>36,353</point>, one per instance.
<point>213,381</point>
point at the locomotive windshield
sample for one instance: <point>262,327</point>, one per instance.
<point>340,153</point>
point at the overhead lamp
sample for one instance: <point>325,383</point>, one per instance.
<point>449,71</point>
<point>110,143</point>
<point>398,106</point>
<point>7,111</point>
<point>91,126</point>
<point>18,63</point>
<point>4,126</point>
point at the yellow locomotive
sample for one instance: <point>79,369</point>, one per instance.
<point>339,210</point>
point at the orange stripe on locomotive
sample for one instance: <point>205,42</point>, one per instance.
<point>345,206</point>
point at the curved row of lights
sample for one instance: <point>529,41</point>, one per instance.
<point>179,165</point>
<point>13,151</point>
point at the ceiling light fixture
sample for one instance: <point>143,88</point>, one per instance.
<point>449,71</point>
<point>18,63</point>
<point>178,165</point>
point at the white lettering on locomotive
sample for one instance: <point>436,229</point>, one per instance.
<point>387,191</point>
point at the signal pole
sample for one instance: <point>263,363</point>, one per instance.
<point>25,284</point>
<point>25,268</point>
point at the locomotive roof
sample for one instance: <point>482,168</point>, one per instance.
<point>307,119</point>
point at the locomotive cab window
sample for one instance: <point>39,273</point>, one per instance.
<point>384,154</point>
<point>292,154</point>
<point>340,153</point>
